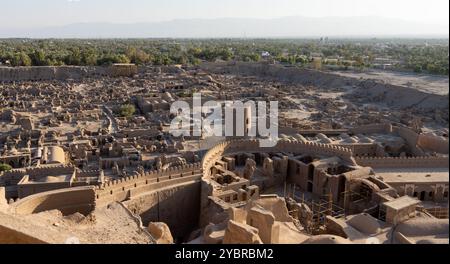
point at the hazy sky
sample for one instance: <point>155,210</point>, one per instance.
<point>37,13</point>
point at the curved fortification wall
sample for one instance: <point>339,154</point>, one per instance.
<point>68,201</point>
<point>172,205</point>
<point>85,199</point>
<point>171,196</point>
<point>133,186</point>
<point>235,146</point>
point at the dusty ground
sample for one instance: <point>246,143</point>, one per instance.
<point>427,83</point>
<point>111,225</point>
<point>326,100</point>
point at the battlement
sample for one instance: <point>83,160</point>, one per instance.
<point>185,169</point>
<point>39,171</point>
<point>292,146</point>
<point>87,173</point>
<point>133,185</point>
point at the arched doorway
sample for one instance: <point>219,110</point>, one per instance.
<point>310,187</point>
<point>422,195</point>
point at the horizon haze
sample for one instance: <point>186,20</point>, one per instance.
<point>232,19</point>
<point>286,27</point>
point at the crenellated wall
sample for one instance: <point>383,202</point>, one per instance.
<point>14,177</point>
<point>171,196</point>
<point>235,146</point>
<point>135,185</point>
<point>39,171</point>
<point>179,186</point>
<point>362,149</point>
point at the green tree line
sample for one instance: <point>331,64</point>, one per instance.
<point>429,56</point>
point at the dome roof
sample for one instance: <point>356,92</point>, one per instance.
<point>327,239</point>
<point>365,223</point>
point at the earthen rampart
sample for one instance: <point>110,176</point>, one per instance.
<point>44,73</point>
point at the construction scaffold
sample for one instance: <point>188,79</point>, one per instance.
<point>320,207</point>
<point>438,212</point>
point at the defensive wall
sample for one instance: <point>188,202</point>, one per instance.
<point>12,178</point>
<point>68,201</point>
<point>177,194</point>
<point>419,143</point>
<point>171,196</point>
<point>132,186</point>
<point>46,73</point>
<point>285,146</point>
<point>175,204</point>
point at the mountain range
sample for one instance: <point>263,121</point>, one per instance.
<point>285,27</point>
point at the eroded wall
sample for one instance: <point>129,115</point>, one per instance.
<point>177,206</point>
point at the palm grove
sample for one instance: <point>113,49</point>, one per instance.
<point>428,56</point>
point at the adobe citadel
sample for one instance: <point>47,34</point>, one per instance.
<point>76,162</point>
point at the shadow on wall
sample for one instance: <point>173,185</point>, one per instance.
<point>68,201</point>
<point>178,207</point>
<point>10,236</point>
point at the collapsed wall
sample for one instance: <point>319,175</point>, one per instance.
<point>374,91</point>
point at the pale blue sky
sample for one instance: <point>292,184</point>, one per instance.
<point>37,13</point>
